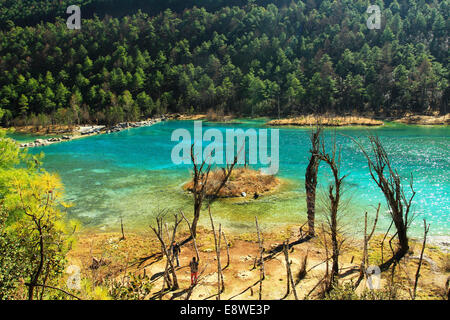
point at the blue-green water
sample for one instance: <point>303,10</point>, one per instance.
<point>131,174</point>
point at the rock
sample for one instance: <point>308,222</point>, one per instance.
<point>40,142</point>
<point>246,258</point>
<point>244,275</point>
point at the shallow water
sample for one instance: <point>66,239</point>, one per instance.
<point>131,174</point>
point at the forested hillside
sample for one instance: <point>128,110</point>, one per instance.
<point>29,12</point>
<point>251,59</point>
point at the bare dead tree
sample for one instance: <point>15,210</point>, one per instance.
<point>192,235</point>
<point>384,239</point>
<point>311,178</point>
<point>200,181</point>
<point>262,274</point>
<point>333,159</point>
<point>290,278</point>
<point>200,178</point>
<point>166,280</point>
<point>425,233</point>
<point>159,234</point>
<point>261,264</point>
<point>220,282</point>
<point>302,272</point>
<point>121,227</point>
<point>228,251</point>
<point>390,183</point>
<point>365,258</point>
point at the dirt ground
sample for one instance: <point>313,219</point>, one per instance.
<point>122,257</point>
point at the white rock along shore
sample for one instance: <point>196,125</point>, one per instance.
<point>85,131</point>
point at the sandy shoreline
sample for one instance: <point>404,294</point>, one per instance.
<point>425,120</point>
<point>67,133</point>
<point>326,121</point>
<point>240,271</point>
<point>348,121</point>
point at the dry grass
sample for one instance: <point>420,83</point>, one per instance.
<point>425,120</point>
<point>241,180</point>
<point>50,129</point>
<point>188,116</point>
<point>326,120</point>
<point>214,116</point>
<point>122,255</point>
<point>211,115</point>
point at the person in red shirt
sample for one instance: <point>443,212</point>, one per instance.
<point>194,270</point>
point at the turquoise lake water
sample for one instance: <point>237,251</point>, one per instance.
<point>130,174</point>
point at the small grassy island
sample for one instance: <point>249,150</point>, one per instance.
<point>243,182</point>
<point>425,120</point>
<point>328,121</point>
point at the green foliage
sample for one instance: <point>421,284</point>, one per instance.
<point>135,287</point>
<point>13,265</point>
<point>255,59</point>
<point>33,233</point>
<point>346,291</point>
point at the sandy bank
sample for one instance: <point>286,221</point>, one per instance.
<point>122,257</point>
<point>425,120</point>
<point>328,121</point>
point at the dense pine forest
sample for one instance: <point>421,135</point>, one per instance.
<point>135,59</point>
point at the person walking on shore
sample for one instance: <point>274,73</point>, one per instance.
<point>176,250</point>
<point>194,270</point>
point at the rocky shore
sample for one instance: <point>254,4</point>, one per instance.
<point>85,131</point>
<point>45,142</point>
<point>129,125</point>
